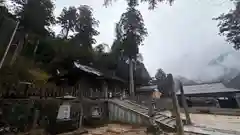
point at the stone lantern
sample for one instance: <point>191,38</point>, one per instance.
<point>69,116</point>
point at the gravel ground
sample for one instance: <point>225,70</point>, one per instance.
<point>231,123</point>
<point>115,129</point>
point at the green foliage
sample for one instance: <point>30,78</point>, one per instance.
<point>133,3</point>
<point>160,75</point>
<point>43,54</point>
<point>15,73</point>
<point>229,25</point>
<point>103,58</point>
<point>2,1</point>
<point>35,15</point>
<point>133,31</point>
<point>67,20</point>
<point>7,25</point>
<point>101,48</point>
<point>85,28</point>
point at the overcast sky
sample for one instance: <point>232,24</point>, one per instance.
<point>182,38</point>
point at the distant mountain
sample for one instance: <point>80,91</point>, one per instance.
<point>228,65</point>
<point>220,59</point>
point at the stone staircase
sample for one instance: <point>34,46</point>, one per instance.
<point>169,124</point>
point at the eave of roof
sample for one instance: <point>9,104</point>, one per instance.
<point>96,72</point>
<point>207,89</point>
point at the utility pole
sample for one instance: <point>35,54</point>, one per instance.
<point>8,46</point>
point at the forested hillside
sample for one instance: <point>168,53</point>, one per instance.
<point>38,53</point>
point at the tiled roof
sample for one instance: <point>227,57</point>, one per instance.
<point>197,89</point>
<point>96,72</point>
<point>88,69</point>
<point>207,88</point>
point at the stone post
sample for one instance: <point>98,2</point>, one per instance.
<point>152,112</point>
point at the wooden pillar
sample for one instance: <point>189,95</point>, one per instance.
<point>115,91</point>
<point>176,108</point>
<point>185,106</point>
<point>237,98</point>
<point>54,91</point>
<point>45,92</point>
<point>79,90</point>
<point>105,89</point>
<point>35,118</point>
<point>91,92</point>
<point>60,91</point>
<point>41,93</point>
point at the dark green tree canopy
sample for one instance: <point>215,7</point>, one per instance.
<point>2,2</point>
<point>85,27</point>
<point>160,75</point>
<point>35,15</point>
<point>133,3</point>
<point>55,55</point>
<point>229,25</point>
<point>132,31</point>
<point>67,20</point>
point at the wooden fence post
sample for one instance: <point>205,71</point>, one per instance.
<point>36,117</point>
<point>185,106</point>
<point>176,109</point>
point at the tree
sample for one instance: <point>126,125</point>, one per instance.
<point>101,48</point>
<point>104,58</point>
<point>35,16</point>
<point>229,25</point>
<point>133,31</point>
<point>2,2</point>
<point>117,46</point>
<point>129,34</point>
<point>162,82</point>
<point>160,75</point>
<point>133,3</point>
<point>85,27</point>
<point>140,57</point>
<point>67,20</point>
<point>85,31</point>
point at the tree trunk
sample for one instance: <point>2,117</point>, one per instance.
<point>35,49</point>
<point>66,36</point>
<point>131,81</point>
<point>8,46</point>
<point>17,51</point>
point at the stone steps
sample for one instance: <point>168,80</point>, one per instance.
<point>170,122</point>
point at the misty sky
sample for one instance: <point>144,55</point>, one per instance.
<point>182,38</point>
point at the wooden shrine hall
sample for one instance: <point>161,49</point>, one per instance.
<point>90,82</point>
